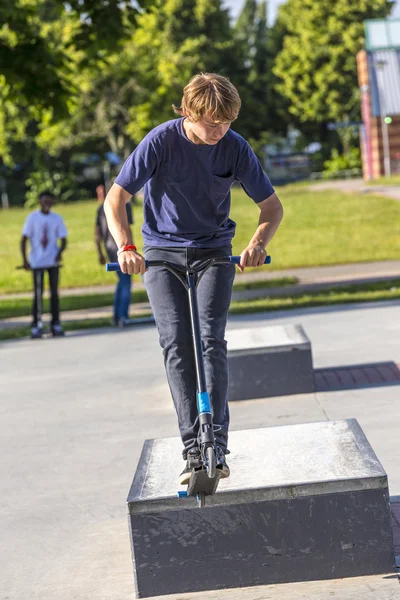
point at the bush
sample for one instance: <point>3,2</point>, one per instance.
<point>64,185</point>
<point>342,162</point>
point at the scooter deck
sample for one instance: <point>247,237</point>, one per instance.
<point>200,482</point>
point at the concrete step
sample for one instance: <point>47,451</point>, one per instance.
<point>269,361</point>
<point>304,502</point>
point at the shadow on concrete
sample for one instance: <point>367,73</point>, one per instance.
<point>356,376</point>
<point>395,511</point>
<point>137,323</point>
<point>313,310</point>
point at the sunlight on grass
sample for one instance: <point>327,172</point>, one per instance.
<point>319,228</point>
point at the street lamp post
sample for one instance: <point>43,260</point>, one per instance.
<point>380,65</point>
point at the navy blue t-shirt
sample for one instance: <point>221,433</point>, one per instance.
<point>187,186</point>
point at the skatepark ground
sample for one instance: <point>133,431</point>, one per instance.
<point>74,416</point>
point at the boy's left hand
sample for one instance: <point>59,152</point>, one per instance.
<point>252,256</point>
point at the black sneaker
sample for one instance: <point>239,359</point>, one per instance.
<point>193,461</point>
<point>221,463</point>
<point>57,330</point>
<point>36,332</point>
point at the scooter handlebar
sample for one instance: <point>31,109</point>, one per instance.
<point>236,260</point>
<point>114,266</point>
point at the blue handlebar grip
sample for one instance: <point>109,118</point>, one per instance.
<point>115,266</point>
<point>236,260</point>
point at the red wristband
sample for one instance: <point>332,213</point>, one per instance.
<point>126,248</point>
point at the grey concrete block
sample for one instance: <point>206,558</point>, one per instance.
<point>304,502</point>
<point>269,361</point>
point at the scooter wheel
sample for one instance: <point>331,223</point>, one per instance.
<point>211,463</point>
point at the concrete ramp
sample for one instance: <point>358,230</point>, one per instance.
<point>269,361</point>
<point>304,502</point>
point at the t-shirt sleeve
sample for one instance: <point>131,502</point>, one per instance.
<point>138,167</point>
<point>61,229</point>
<point>27,228</point>
<point>252,177</point>
<point>129,213</point>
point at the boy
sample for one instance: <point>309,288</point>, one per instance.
<point>122,295</point>
<point>187,167</point>
<point>44,228</point>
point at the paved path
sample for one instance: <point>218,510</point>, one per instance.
<point>75,413</point>
<point>310,279</point>
<point>358,186</point>
<point>69,316</point>
<point>304,275</point>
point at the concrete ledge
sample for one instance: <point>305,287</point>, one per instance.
<point>269,361</point>
<point>317,507</point>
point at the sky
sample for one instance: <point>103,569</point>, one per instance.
<point>235,7</point>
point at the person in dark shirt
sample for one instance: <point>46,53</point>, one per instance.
<point>103,238</point>
<point>186,167</point>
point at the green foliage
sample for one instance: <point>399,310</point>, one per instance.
<point>31,56</point>
<point>342,162</point>
<point>317,65</point>
<point>258,144</point>
<point>121,99</point>
<point>63,184</point>
<point>256,80</point>
<point>45,46</point>
<point>100,117</point>
<point>172,42</point>
<point>102,73</point>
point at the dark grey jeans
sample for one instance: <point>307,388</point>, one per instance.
<point>170,304</point>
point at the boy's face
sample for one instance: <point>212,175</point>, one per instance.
<point>208,131</point>
<point>46,202</point>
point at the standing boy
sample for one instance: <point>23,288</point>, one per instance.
<point>187,167</point>
<point>102,235</point>
<point>44,228</point>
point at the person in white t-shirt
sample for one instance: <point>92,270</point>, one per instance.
<point>44,229</point>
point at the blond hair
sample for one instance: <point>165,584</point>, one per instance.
<point>209,94</point>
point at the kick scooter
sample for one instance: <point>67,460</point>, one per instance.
<point>205,475</point>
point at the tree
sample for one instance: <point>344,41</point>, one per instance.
<point>317,65</point>
<point>33,61</point>
<point>119,100</point>
<point>172,42</point>
<point>44,44</point>
<point>31,58</point>
<point>260,119</point>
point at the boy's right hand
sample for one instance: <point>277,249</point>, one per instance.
<point>27,266</point>
<point>132,262</point>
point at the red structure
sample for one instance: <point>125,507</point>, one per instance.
<point>379,80</point>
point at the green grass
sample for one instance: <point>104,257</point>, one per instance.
<point>388,290</point>
<point>20,307</point>
<point>319,228</point>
